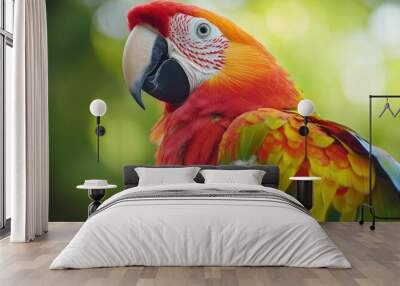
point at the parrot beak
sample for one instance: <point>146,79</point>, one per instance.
<point>146,66</point>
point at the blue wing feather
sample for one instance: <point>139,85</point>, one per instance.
<point>386,163</point>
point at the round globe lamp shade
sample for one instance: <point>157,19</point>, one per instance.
<point>305,107</point>
<point>98,107</point>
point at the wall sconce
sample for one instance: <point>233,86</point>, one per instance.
<point>305,109</point>
<point>98,108</point>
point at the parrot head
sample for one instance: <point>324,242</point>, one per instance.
<point>180,53</point>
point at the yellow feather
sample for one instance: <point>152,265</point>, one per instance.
<point>320,139</point>
<point>292,134</point>
<point>324,192</point>
<point>359,164</point>
<point>274,123</point>
<point>294,144</point>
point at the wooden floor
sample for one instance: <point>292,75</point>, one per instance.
<point>375,257</point>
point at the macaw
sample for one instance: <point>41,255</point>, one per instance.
<point>226,100</point>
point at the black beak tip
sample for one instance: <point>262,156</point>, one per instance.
<point>136,94</point>
<point>141,104</point>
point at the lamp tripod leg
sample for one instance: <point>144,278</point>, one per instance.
<point>361,222</point>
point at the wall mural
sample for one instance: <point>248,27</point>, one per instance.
<point>217,93</point>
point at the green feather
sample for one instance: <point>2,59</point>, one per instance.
<point>251,138</point>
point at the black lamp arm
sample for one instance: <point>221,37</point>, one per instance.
<point>100,131</point>
<point>303,130</point>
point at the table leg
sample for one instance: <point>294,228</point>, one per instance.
<point>305,193</point>
<point>96,195</point>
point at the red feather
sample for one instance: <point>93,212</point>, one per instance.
<point>343,133</point>
<point>157,14</point>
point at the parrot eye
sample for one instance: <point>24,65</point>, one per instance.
<point>203,30</point>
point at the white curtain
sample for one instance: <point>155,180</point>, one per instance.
<point>27,124</point>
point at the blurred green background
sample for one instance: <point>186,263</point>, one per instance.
<point>337,52</point>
